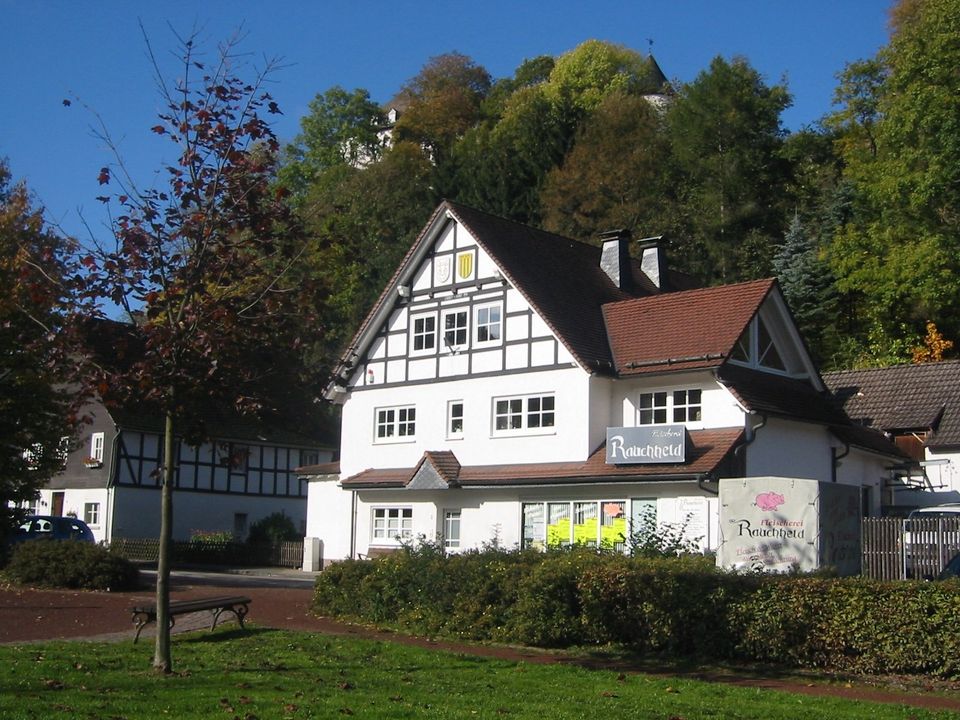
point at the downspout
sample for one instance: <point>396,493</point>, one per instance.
<point>111,485</point>
<point>835,460</point>
<point>751,435</point>
<point>353,524</point>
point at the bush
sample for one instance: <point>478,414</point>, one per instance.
<point>71,564</point>
<point>274,528</point>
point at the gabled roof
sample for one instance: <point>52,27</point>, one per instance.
<point>682,330</point>
<point>772,394</point>
<point>707,450</point>
<point>532,261</point>
<point>904,398</point>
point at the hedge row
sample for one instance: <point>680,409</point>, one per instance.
<point>679,607</point>
<point>71,564</point>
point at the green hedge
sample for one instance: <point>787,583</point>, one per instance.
<point>680,607</point>
<point>71,564</point>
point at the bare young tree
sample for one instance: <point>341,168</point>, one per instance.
<point>210,263</point>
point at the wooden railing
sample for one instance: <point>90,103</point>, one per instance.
<point>282,554</point>
<point>897,548</point>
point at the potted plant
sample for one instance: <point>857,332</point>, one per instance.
<point>92,462</point>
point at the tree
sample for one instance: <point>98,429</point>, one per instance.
<point>212,262</point>
<point>726,138</point>
<point>37,412</point>
<point>581,78</point>
<point>342,128</point>
<point>441,103</point>
<point>614,175</point>
<point>362,222</point>
<point>900,251</point>
<point>808,287</point>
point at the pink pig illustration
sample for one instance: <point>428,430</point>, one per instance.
<point>769,500</point>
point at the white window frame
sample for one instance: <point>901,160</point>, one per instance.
<point>587,511</point>
<point>97,440</point>
<point>460,331</point>
<point>663,407</point>
<point>522,406</point>
<point>423,334</point>
<point>485,323</point>
<point>749,345</point>
<point>91,513</point>
<point>391,525</point>
<point>398,423</point>
<point>455,418</point>
<point>452,529</point>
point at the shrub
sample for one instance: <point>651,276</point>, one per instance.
<point>273,528</point>
<point>71,564</point>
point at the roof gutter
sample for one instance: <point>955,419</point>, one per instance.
<point>674,361</point>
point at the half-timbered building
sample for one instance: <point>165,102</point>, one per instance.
<point>112,480</point>
<point>517,387</point>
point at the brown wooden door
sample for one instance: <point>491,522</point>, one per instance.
<point>57,509</point>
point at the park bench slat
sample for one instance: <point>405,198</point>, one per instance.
<point>237,604</point>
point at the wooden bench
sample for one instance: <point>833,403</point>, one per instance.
<point>237,604</point>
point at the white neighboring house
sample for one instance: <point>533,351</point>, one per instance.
<point>479,393</point>
<point>918,407</point>
<point>111,481</point>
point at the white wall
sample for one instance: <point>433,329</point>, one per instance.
<point>568,440</point>
<point>719,408</point>
<point>494,514</point>
<point>74,501</point>
<point>783,448</point>
<point>329,516</point>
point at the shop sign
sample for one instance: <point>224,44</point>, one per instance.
<point>647,445</point>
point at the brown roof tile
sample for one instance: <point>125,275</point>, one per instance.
<point>904,398</point>
<point>682,330</point>
<point>705,453</point>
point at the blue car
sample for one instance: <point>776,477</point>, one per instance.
<point>51,527</point>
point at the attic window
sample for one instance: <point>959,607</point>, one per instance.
<point>757,348</point>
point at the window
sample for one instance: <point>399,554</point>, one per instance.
<point>653,408</point>
<point>451,529</point>
<point>309,457</point>
<point>398,423</point>
<point>534,412</point>
<point>679,406</point>
<point>488,324</point>
<point>590,523</point>
<point>756,347</point>
<point>96,446</point>
<point>686,406</point>
<point>392,524</point>
<point>424,333</point>
<point>455,419</point>
<point>455,329</point>
<point>91,513</point>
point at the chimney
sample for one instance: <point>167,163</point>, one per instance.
<point>653,262</point>
<point>615,257</point>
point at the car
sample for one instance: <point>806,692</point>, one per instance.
<point>52,527</point>
<point>930,534</point>
<point>951,569</point>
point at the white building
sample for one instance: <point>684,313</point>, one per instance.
<point>481,391</point>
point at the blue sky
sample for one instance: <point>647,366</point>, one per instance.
<point>94,51</point>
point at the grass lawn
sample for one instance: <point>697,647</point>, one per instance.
<point>276,674</point>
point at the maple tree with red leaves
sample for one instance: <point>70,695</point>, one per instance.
<point>209,264</point>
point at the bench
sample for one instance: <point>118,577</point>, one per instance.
<point>237,604</point>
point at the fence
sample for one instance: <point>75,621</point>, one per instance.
<point>896,548</point>
<point>283,554</point>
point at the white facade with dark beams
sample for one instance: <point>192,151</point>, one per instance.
<point>479,394</point>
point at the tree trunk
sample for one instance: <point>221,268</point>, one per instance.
<point>161,652</point>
